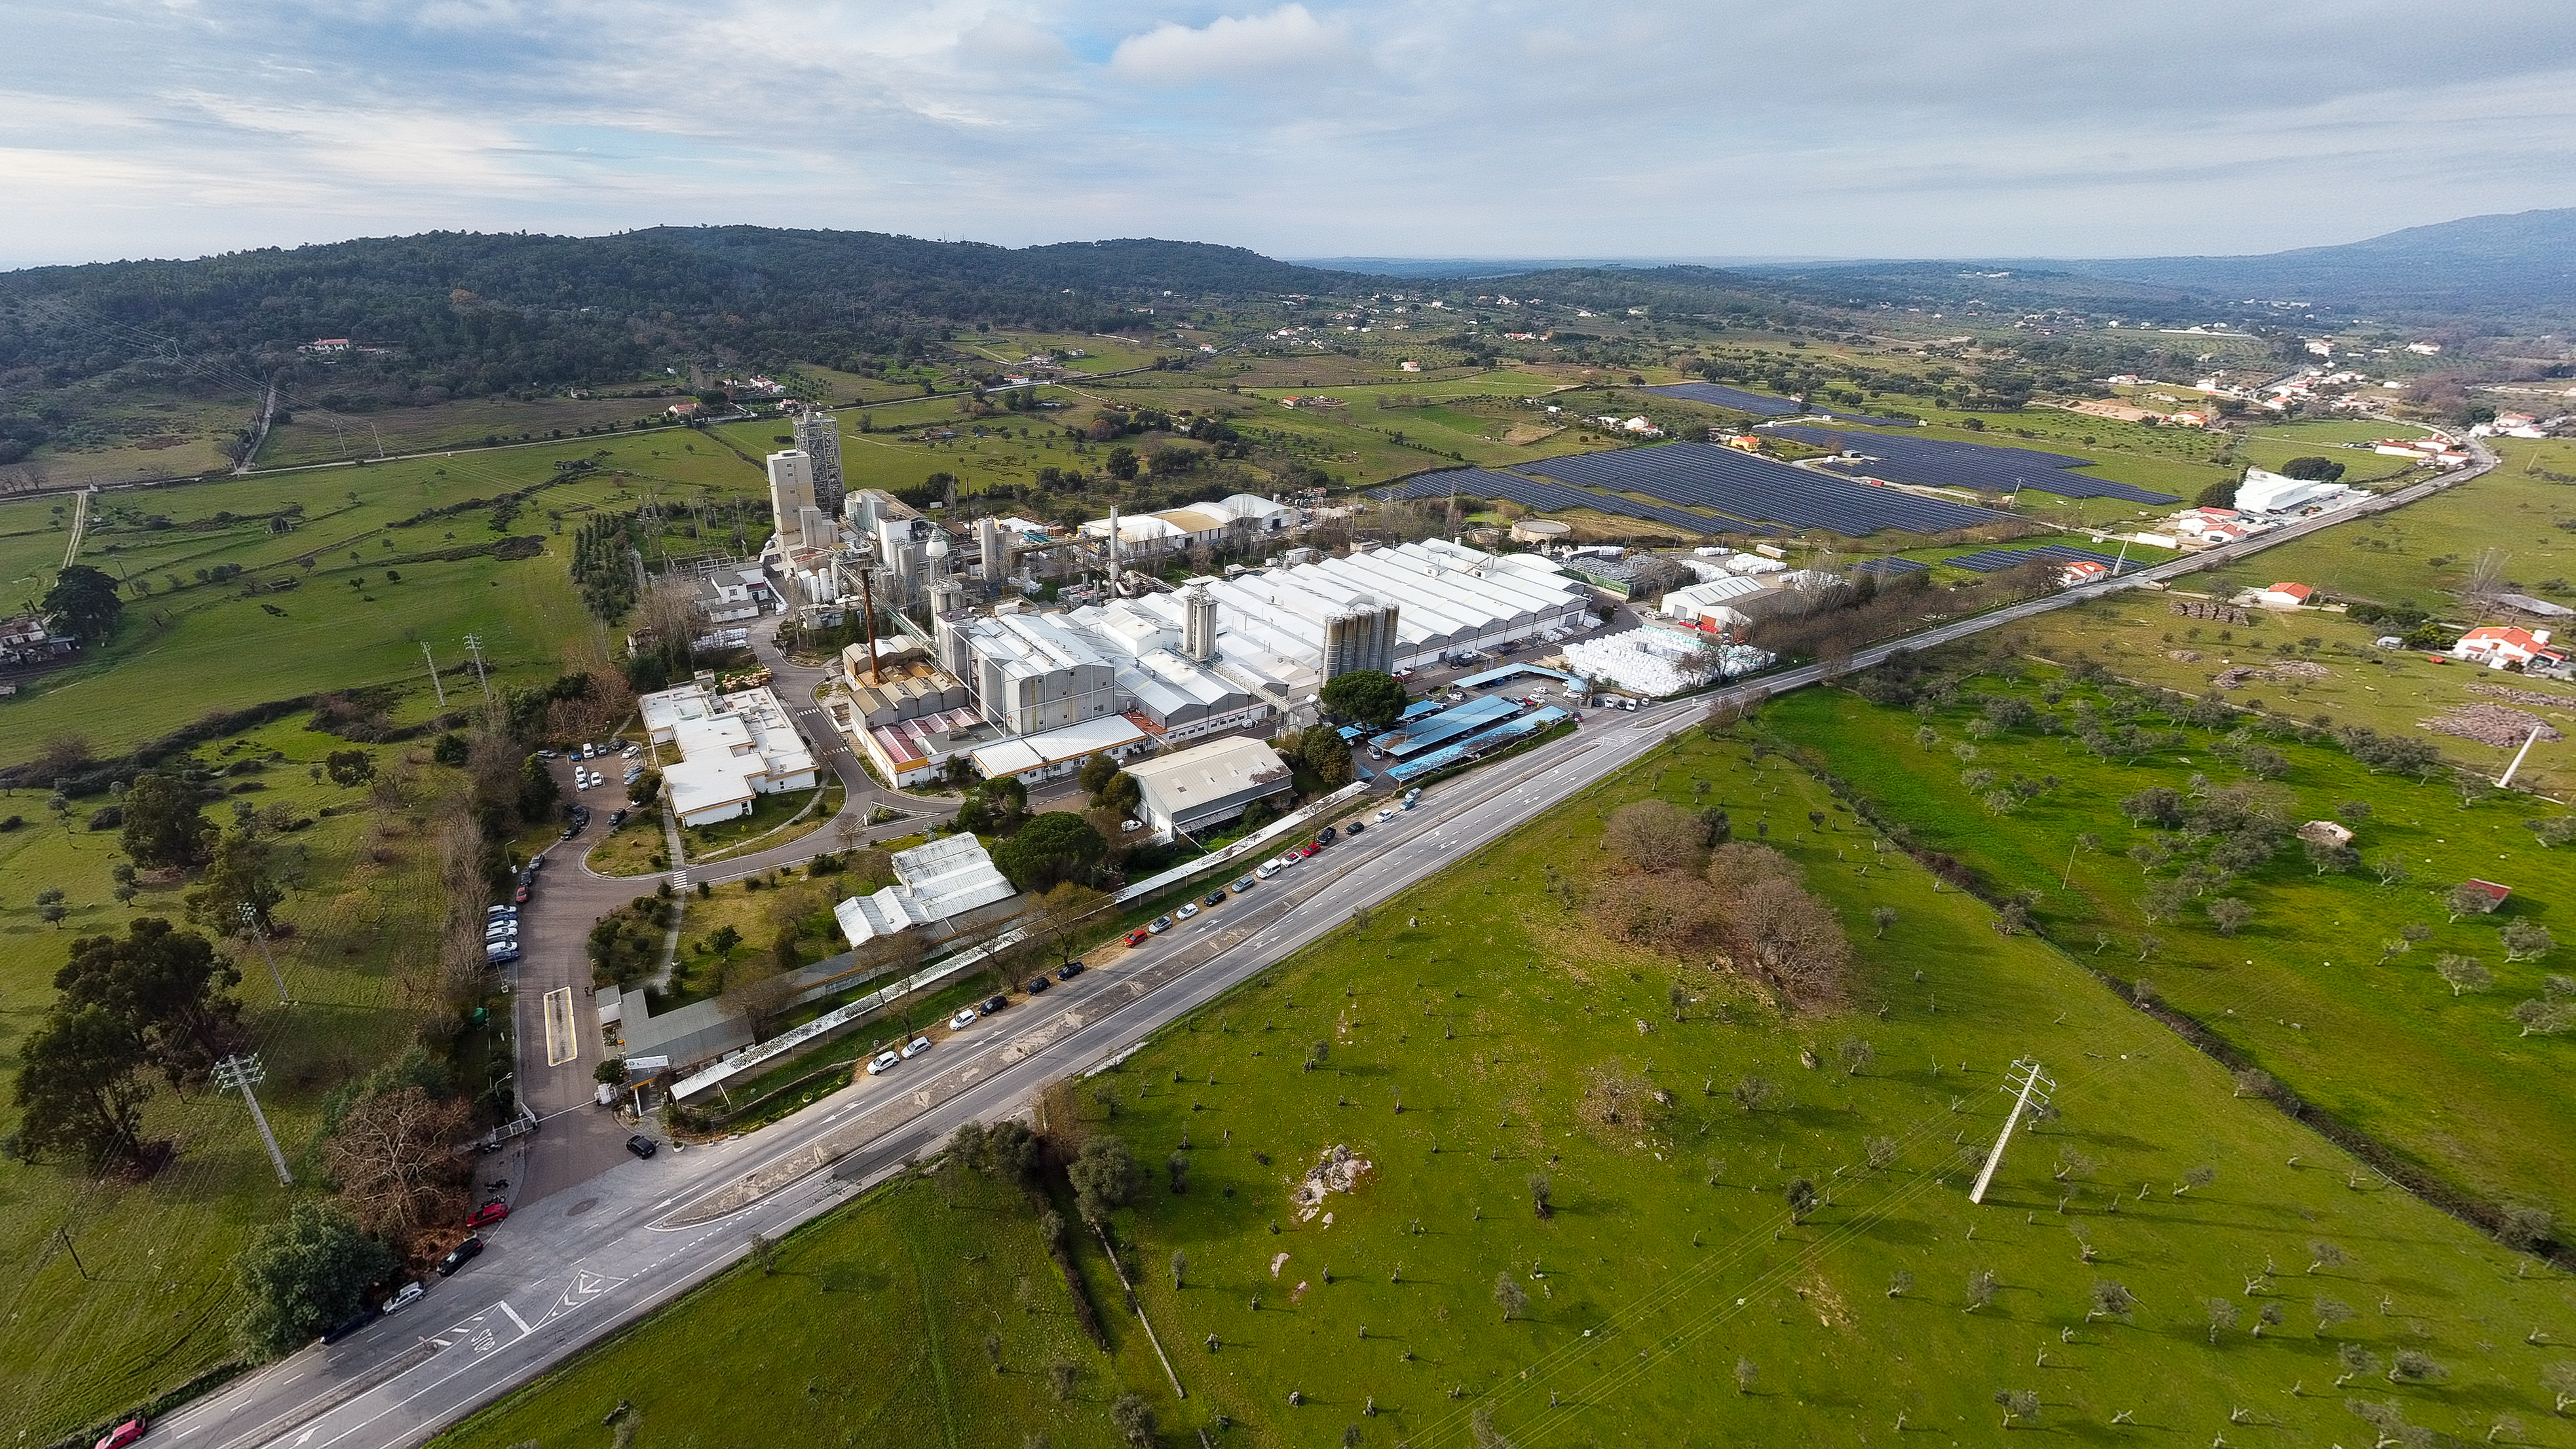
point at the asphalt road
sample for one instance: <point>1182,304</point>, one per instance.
<point>607,1238</point>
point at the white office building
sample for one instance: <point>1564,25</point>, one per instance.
<point>733,748</point>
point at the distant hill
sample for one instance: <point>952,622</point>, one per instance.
<point>2518,264</point>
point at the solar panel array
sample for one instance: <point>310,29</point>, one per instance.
<point>1744,486</point>
<point>1553,498</point>
<point>1888,568</point>
<point>1994,560</point>
<point>1986,467</point>
<point>1761,405</point>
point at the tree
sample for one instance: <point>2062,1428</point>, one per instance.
<point>1105,1177</point>
<point>1656,835</point>
<point>1329,756</point>
<point>2560,1380</point>
<point>1480,1428</point>
<point>1542,1195</point>
<point>759,989</point>
<point>1180,1269</point>
<point>393,1155</point>
<point>1856,1055</point>
<point>2331,1313</point>
<point>1746,1374</point>
<point>1882,917</point>
<point>2464,973</point>
<point>2553,829</point>
<point>1801,1193</point>
<point>1981,1289</point>
<point>2017,1404</point>
<point>2312,470</point>
<point>2538,1017</point>
<point>239,876</point>
<point>2327,856</point>
<point>166,986</point>
<point>2111,1300</point>
<point>350,768</point>
<point>1365,696</point>
<point>2408,1366</point>
<point>2229,914</point>
<point>79,1083</point>
<point>83,603</point>
<point>1134,1418</point>
<point>1121,464</point>
<point>1097,769</point>
<point>2468,899</point>
<point>448,749</point>
<point>1509,1297</point>
<point>301,1276</point>
<point>1053,847</point>
<point>2352,1361</point>
<point>2158,805</point>
<point>164,827</point>
<point>1062,912</point>
<point>2222,1316</point>
<point>2526,940</point>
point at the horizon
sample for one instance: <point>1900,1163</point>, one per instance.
<point>1427,129</point>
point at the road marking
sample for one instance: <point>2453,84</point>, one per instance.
<point>524,1329</point>
<point>563,1044</point>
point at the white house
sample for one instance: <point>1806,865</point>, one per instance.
<point>2499,646</point>
<point>2284,596</point>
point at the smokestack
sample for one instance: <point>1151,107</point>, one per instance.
<point>1116,585</point>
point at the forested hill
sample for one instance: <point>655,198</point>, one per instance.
<point>2521,264</point>
<point>481,313</point>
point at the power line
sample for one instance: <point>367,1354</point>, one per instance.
<point>238,1073</point>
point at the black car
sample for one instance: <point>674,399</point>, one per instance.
<point>993,1004</point>
<point>642,1146</point>
<point>1355,827</point>
<point>1036,985</point>
<point>1213,898</point>
<point>616,818</point>
<point>1068,971</point>
<point>351,1324</point>
<point>460,1255</point>
<point>1325,835</point>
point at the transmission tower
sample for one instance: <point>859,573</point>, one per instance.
<point>433,674</point>
<point>239,1073</point>
<point>474,646</point>
<point>2027,1086</point>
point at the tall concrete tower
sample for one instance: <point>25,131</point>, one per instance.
<point>818,437</point>
<point>1198,625</point>
<point>991,551</point>
<point>791,489</point>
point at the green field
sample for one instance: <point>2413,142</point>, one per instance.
<point>2380,1042</point>
<point>154,1309</point>
<point>2426,551</point>
<point>317,435</point>
<point>189,646</point>
<point>1669,1259</point>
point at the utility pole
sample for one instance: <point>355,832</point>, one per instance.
<point>250,923</point>
<point>2032,1086</point>
<point>66,1239</point>
<point>2516,767</point>
<point>474,646</point>
<point>432,661</point>
<point>244,1073</point>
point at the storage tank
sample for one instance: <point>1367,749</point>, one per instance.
<point>1361,636</point>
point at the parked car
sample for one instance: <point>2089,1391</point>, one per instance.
<point>616,818</point>
<point>405,1296</point>
<point>1355,827</point>
<point>125,1433</point>
<point>460,1255</point>
<point>993,1004</point>
<point>1386,815</point>
<point>549,755</point>
<point>915,1047</point>
<point>883,1062</point>
<point>488,1214</point>
<point>1159,924</point>
<point>1036,985</point>
<point>1325,836</point>
<point>1213,898</point>
<point>642,1146</point>
<point>1244,884</point>
<point>1402,674</point>
<point>521,895</point>
<point>1309,848</point>
<point>1068,971</point>
<point>500,953</point>
<point>1135,937</point>
<point>962,1020</point>
<point>341,1329</point>
<point>1187,910</point>
<point>1266,869</point>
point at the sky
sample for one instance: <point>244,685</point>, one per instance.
<point>1448,128</point>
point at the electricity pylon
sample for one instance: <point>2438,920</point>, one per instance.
<point>243,1073</point>
<point>2030,1087</point>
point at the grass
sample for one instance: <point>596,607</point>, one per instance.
<point>124,434</point>
<point>1669,1257</point>
<point>191,646</point>
<point>319,436</point>
<point>2387,689</point>
<point>155,1309</point>
<point>774,821</point>
<point>632,848</point>
<point>2425,552</point>
<point>2382,1044</point>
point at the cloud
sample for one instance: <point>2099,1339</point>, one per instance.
<point>1449,127</point>
<point>1287,38</point>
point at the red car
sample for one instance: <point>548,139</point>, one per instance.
<point>522,896</point>
<point>124,1434</point>
<point>488,1214</point>
<point>1308,849</point>
<point>1139,936</point>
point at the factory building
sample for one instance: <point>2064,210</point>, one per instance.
<point>1189,790</point>
<point>818,437</point>
<point>733,749</point>
<point>947,877</point>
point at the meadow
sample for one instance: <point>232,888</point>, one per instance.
<point>366,590</point>
<point>146,1304</point>
<point>2428,550</point>
<point>1670,1296</point>
<point>2320,988</point>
